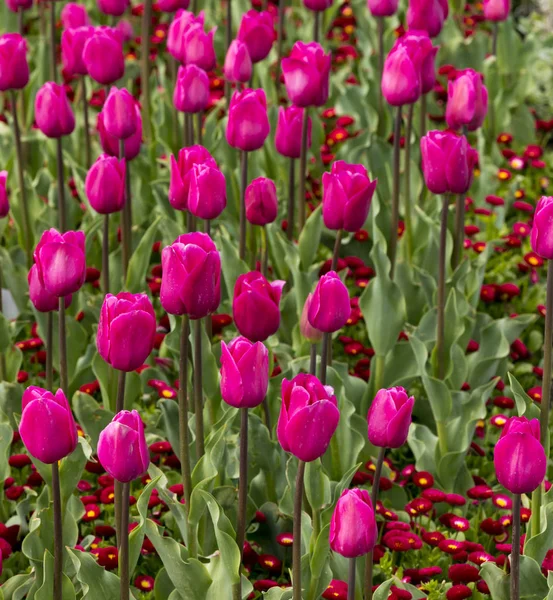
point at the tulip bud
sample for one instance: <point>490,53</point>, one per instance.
<point>53,114</point>
<point>16,6</point>
<point>103,56</point>
<point>181,173</point>
<point>541,238</point>
<point>208,193</point>
<point>110,144</point>
<point>14,70</point>
<point>255,306</point>
<point>347,195</point>
<point>60,261</point>
<point>244,373</point>
<point>238,63</point>
<point>126,330</point>
<point>176,34</point>
<point>248,123</point>
<point>519,458</point>
<point>312,335</point>
<point>423,55</point>
<point>4,202</point>
<point>317,5</point>
<point>72,46</point>
<point>497,10</point>
<point>42,300</point>
<point>467,101</point>
<point>308,417</point>
<point>447,162</point>
<point>330,306</point>
<point>191,94</point>
<point>389,418</point>
<point>122,449</point>
<point>124,30</point>
<point>119,114</point>
<point>198,47</point>
<point>191,279</point>
<point>171,6</point>
<point>307,74</point>
<point>114,8</point>
<point>382,8</point>
<point>74,15</point>
<point>105,184</point>
<point>47,427</point>
<point>288,131</point>
<point>261,201</point>
<point>257,31</point>
<point>427,15</point>
<point>353,530</point>
<point>401,79</point>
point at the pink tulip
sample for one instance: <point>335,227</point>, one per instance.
<point>238,63</point>
<point>191,93</point>
<point>181,173</point>
<point>72,46</point>
<point>103,56</point>
<point>288,131</point>
<point>74,15</point>
<point>119,115</point>
<point>389,418</point>
<point>497,10</point>
<point>467,101</point>
<point>248,123</point>
<point>261,201</point>
<point>4,202</point>
<point>207,196</point>
<point>257,31</point>
<point>105,184</point>
<point>14,70</point>
<point>330,306</point>
<point>306,74</point>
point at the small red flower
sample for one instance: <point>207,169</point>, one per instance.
<point>144,583</point>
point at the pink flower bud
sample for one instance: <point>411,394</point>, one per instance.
<point>171,6</point>
<point>467,101</point>
<point>427,15</point>
<point>248,123</point>
<point>181,173</point>
<point>14,70</point>
<point>16,5</point>
<point>177,30</point>
<point>103,56</point>
<point>110,144</point>
<point>289,130</point>
<point>382,8</point>
<point>198,47</point>
<point>4,202</point>
<point>330,306</point>
<point>191,93</point>
<point>307,74</point>
<point>238,63</point>
<point>261,201</point>
<point>317,5</point>
<point>72,46</point>
<point>53,113</point>
<point>119,114</point>
<point>105,184</point>
<point>309,332</point>
<point>542,231</point>
<point>114,8</point>
<point>208,192</point>
<point>257,31</point>
<point>42,300</point>
<point>74,15</point>
<point>497,10</point>
<point>401,78</point>
<point>389,418</point>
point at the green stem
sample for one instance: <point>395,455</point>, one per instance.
<point>313,359</point>
<point>264,252</point>
<point>324,356</point>
<point>58,532</point>
<point>53,70</point>
<point>351,578</point>
<point>3,367</point>
<point>422,122</point>
<point>379,365</point>
<point>62,213</point>
<point>441,430</point>
<point>105,255</point>
<point>86,124</point>
<point>145,69</point>
<point>243,184</point>
<point>49,350</point>
<point>62,347</point>
<point>409,233</point>
<point>291,199</point>
<point>439,370</point>
<point>198,388</point>
<point>242,494</point>
<point>124,546</point>
<point>392,246</point>
<point>495,30</point>
<point>303,170</point>
<point>296,547</point>
<point>336,252</point>
<point>515,549</point>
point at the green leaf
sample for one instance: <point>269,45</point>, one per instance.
<point>5,334</point>
<point>310,238</point>
<point>136,536</point>
<point>525,404</point>
<point>6,436</point>
<point>46,590</point>
<point>90,415</point>
<point>538,545</point>
<point>138,264</point>
<point>71,468</point>
<point>317,485</point>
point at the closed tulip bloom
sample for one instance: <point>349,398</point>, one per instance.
<point>191,93</point>
<point>191,279</point>
<point>47,426</point>
<point>248,123</point>
<point>261,201</point>
<point>347,195</point>
<point>122,448</point>
<point>207,197</point>
<point>382,8</point>
<point>447,162</point>
<point>519,458</point>
<point>467,101</point>
<point>42,300</point>
<point>74,15</point>
<point>110,144</point>
<point>497,10</point>
<point>257,31</point>
<point>542,229</point>
<point>389,418</point>
<point>105,184</point>
<point>244,373</point>
<point>330,307</point>
<point>124,30</point>
<point>4,202</point>
<point>317,5</point>
<point>14,70</point>
<point>353,530</point>
<point>53,113</point>
<point>181,173</point>
<point>308,417</point>
<point>288,131</point>
<point>126,330</point>
<point>427,15</point>
<point>72,46</point>
<point>177,30</point>
<point>401,78</point>
<point>17,5</point>
<point>60,261</point>
<point>103,56</point>
<point>238,63</point>
<point>114,8</point>
<point>423,55</point>
<point>312,335</point>
<point>307,74</point>
<point>171,6</point>
<point>256,306</point>
<point>198,47</point>
<point>119,114</point>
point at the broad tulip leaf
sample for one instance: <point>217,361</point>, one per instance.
<point>310,238</point>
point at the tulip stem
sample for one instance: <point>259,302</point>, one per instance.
<point>264,252</point>
<point>58,532</point>
<point>173,66</point>
<point>228,40</point>
<point>313,359</point>
<point>61,186</point>
<point>515,549</point>
<point>243,183</point>
<point>422,122</point>
<point>190,117</point>
<point>336,252</point>
<point>408,205</point>
<point>242,493</point>
<point>374,499</point>
<point>62,348</point>
<point>296,546</point>
<point>380,26</point>
<point>117,486</point>
<point>53,72</point>
<point>198,389</point>
<point>145,69</point>
<point>87,147</point>
<point>351,578</point>
<point>27,234</point>
<point>124,546</point>
<point>439,368</point>
<point>495,30</point>
<point>291,199</point>
<point>125,230</point>
<point>303,170</point>
<point>49,350</point>
<point>324,356</point>
<point>105,255</point>
<point>316,25</point>
<point>199,123</point>
<point>392,249</point>
<point>20,22</point>
<point>280,36</point>
<point>459,239</point>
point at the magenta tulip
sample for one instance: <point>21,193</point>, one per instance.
<point>244,373</point>
<point>53,113</point>
<point>103,56</point>
<point>177,30</point>
<point>41,298</point>
<point>347,195</point>
<point>198,47</point>
<point>447,162</point>
<point>353,530</point>
<point>467,101</point>
<point>181,173</point>
<point>60,261</point>
<point>427,15</point>
<point>288,131</point>
<point>74,15</point>
<point>542,231</point>
<point>308,417</point>
<point>382,8</point>
<point>110,144</point>
<point>119,114</point>
<point>257,31</point>
<point>105,184</point>
<point>330,306</point>
<point>72,46</point>
<point>317,5</point>
<point>17,5</point>
<point>4,202</point>
<point>114,8</point>
<point>423,54</point>
<point>47,426</point>
<point>207,195</point>
<point>312,335</point>
<point>171,6</point>
<point>389,418</point>
<point>248,123</point>
<point>497,10</point>
<point>191,94</point>
<point>238,63</point>
<point>261,201</point>
<point>14,69</point>
<point>122,448</point>
<point>124,30</point>
<point>191,279</point>
<point>307,74</point>
<point>126,330</point>
<point>519,458</point>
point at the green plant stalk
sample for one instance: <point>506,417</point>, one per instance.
<point>124,575</point>
<point>303,170</point>
<point>53,70</point>
<point>228,40</point>
<point>242,496</point>
<point>198,388</point>
<point>336,251</point>
<point>118,500</point>
<point>3,367</point>
<point>243,184</point>
<point>145,70</point>
<point>374,498</point>
<point>280,36</point>
<point>495,31</point>
<point>409,233</point>
<point>351,578</point>
<point>439,367</point>
<point>379,365</point>
<point>380,29</point>
<point>327,340</point>
<point>199,125</point>
<point>63,348</point>
<point>394,224</point>
<point>291,199</point>
<point>296,546</point>
<point>313,359</point>
<point>87,146</point>
<point>105,255</point>
<point>264,252</point>
<point>515,549</point>
<point>20,21</point>
<point>58,532</point>
<point>62,212</point>
<point>49,350</point>
<point>422,116</point>
<point>441,430</point>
